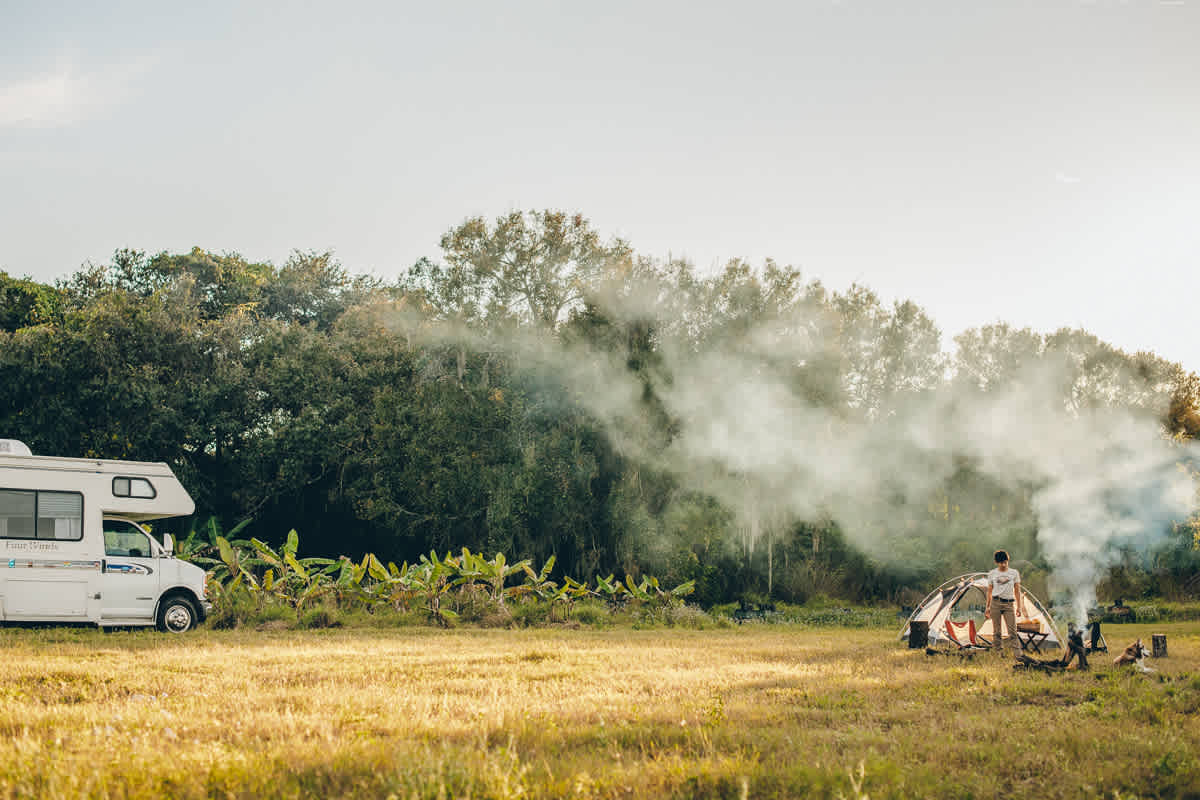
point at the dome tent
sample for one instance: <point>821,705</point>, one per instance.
<point>954,612</point>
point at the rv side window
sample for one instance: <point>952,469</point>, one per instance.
<point>133,487</point>
<point>41,515</point>
<point>17,513</point>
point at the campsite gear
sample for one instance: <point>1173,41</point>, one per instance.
<point>964,634</point>
<point>1045,665</point>
<point>1031,636</point>
<point>1075,649</point>
<point>918,635</point>
<point>1158,643</point>
<point>962,599</point>
<point>1095,643</point>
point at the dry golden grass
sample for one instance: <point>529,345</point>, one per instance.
<point>760,711</point>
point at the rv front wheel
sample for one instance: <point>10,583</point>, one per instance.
<point>176,615</point>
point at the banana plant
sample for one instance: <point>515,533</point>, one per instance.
<point>538,583</point>
<point>200,546</point>
<point>471,567</point>
<point>611,590</point>
<point>275,559</point>
<point>569,592</point>
<point>275,580</point>
<point>348,580</point>
<point>359,581</point>
<point>638,592</point>
<point>406,585</point>
<point>234,566</point>
<point>293,580</point>
<point>310,579</point>
<point>496,572</point>
<point>192,547</point>
<point>649,590</point>
<point>432,578</point>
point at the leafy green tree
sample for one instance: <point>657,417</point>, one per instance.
<point>890,355</point>
<point>422,470</point>
<point>536,266</point>
<point>213,284</point>
<point>996,356</point>
<point>314,288</point>
<point>25,302</point>
<point>1183,412</point>
<point>1094,374</point>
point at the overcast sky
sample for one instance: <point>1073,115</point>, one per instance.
<point>1033,162</point>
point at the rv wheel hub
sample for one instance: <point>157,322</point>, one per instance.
<point>178,618</point>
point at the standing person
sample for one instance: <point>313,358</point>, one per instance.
<point>1003,595</point>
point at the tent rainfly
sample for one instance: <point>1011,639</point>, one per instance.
<point>954,612</point>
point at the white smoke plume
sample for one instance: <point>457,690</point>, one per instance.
<point>1102,481</point>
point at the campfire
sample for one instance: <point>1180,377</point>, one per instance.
<point>1076,649</point>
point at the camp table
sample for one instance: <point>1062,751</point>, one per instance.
<point>1032,640</point>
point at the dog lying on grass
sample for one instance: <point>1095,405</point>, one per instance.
<point>1134,654</point>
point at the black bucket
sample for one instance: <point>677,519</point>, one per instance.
<point>918,634</point>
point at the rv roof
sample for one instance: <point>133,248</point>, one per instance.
<point>113,466</point>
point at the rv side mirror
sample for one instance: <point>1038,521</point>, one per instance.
<point>168,544</point>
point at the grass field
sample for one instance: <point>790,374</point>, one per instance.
<point>757,711</point>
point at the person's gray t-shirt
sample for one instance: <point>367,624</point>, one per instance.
<point>1004,583</point>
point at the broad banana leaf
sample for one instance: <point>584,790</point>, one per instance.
<point>296,566</point>
<point>226,551</point>
<point>684,589</point>
<point>375,568</point>
<point>269,555</point>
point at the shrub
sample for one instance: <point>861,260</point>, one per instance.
<point>500,617</point>
<point>805,580</point>
<point>842,617</point>
<point>590,613</point>
<point>319,618</point>
<point>685,616</point>
<point>1178,612</point>
<point>239,610</point>
<point>723,611</point>
<point>530,613</point>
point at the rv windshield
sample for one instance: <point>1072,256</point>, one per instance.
<point>123,538</point>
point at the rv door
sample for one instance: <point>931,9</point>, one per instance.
<point>130,584</point>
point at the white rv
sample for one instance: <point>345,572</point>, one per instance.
<point>72,548</point>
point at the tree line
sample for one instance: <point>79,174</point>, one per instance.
<point>510,394</point>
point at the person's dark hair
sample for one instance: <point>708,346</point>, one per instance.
<point>1000,555</point>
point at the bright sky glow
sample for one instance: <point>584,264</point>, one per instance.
<point>1033,162</point>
